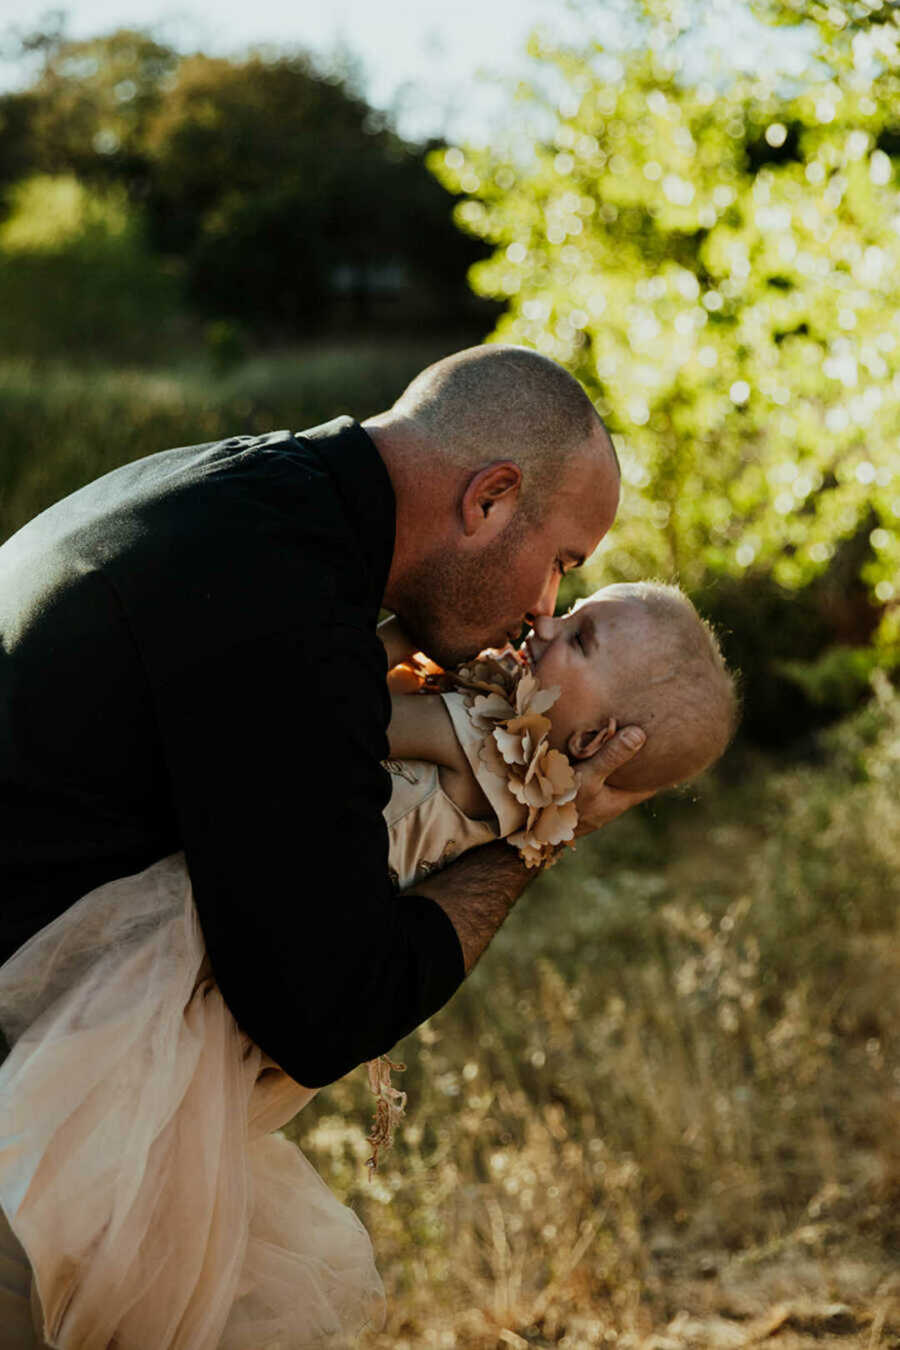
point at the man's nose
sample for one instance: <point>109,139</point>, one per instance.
<point>546,605</point>
<point>544,627</point>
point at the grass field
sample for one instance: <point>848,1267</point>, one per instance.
<point>63,424</point>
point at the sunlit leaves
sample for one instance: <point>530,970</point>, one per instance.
<point>721,269</point>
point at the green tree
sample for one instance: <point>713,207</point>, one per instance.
<point>271,186</point>
<point>92,103</point>
<point>720,266</point>
<point>16,149</point>
<point>268,178</point>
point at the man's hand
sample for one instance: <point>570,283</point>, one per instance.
<point>598,804</point>
<point>478,891</point>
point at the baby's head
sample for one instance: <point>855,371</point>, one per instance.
<point>639,653</point>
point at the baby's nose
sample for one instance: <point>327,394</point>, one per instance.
<point>543,627</point>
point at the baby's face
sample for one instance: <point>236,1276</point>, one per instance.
<point>588,653</point>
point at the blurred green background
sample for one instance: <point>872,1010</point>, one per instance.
<point>691,1031</point>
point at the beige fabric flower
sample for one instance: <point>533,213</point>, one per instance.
<point>507,704</point>
<point>489,709</point>
<point>519,738</point>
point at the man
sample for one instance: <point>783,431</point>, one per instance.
<point>189,661</point>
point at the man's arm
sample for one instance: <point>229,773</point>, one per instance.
<point>279,794</point>
<point>477,893</point>
<point>479,890</point>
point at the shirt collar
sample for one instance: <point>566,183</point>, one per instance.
<point>350,457</point>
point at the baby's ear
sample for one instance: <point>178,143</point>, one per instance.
<point>583,744</point>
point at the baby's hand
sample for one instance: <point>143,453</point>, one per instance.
<point>405,678</point>
<point>407,668</point>
<point>396,644</point>
<point>598,804</point>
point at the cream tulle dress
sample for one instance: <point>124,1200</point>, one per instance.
<point>150,1203</point>
<point>138,1168</point>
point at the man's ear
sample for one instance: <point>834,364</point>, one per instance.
<point>490,499</point>
<point>583,744</point>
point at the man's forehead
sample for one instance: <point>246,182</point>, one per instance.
<point>580,530</point>
<point>591,493</point>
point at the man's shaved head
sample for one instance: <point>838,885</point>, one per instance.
<point>497,402</point>
<point>504,479</point>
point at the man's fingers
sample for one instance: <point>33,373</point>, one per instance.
<point>604,804</point>
<point>628,798</point>
<point>597,803</point>
<point>616,752</point>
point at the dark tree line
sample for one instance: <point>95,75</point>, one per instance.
<point>277,190</point>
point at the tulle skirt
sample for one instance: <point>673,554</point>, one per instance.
<point>138,1169</point>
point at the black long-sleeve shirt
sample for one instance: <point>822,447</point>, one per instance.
<point>188,660</point>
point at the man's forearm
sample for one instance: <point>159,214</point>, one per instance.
<point>477,892</point>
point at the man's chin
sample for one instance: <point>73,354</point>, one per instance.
<point>447,644</point>
<point>426,642</point>
<point>451,657</point>
<point>459,656</point>
<point>447,653</point>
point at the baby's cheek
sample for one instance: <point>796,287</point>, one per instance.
<point>561,725</point>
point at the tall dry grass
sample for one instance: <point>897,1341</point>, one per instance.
<point>63,423</point>
<point>676,1069</point>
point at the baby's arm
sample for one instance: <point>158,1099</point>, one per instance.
<point>420,728</point>
<point>407,667</point>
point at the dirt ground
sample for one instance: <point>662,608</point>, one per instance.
<point>787,1299</point>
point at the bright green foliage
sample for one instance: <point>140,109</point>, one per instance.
<point>721,268</point>
<point>840,20</point>
<point>76,278</point>
<point>50,213</point>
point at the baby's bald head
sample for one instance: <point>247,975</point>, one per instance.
<point>640,654</point>
<point>672,682</point>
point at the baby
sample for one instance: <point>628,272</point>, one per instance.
<point>492,757</point>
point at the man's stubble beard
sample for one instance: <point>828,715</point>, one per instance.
<point>449,605</point>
